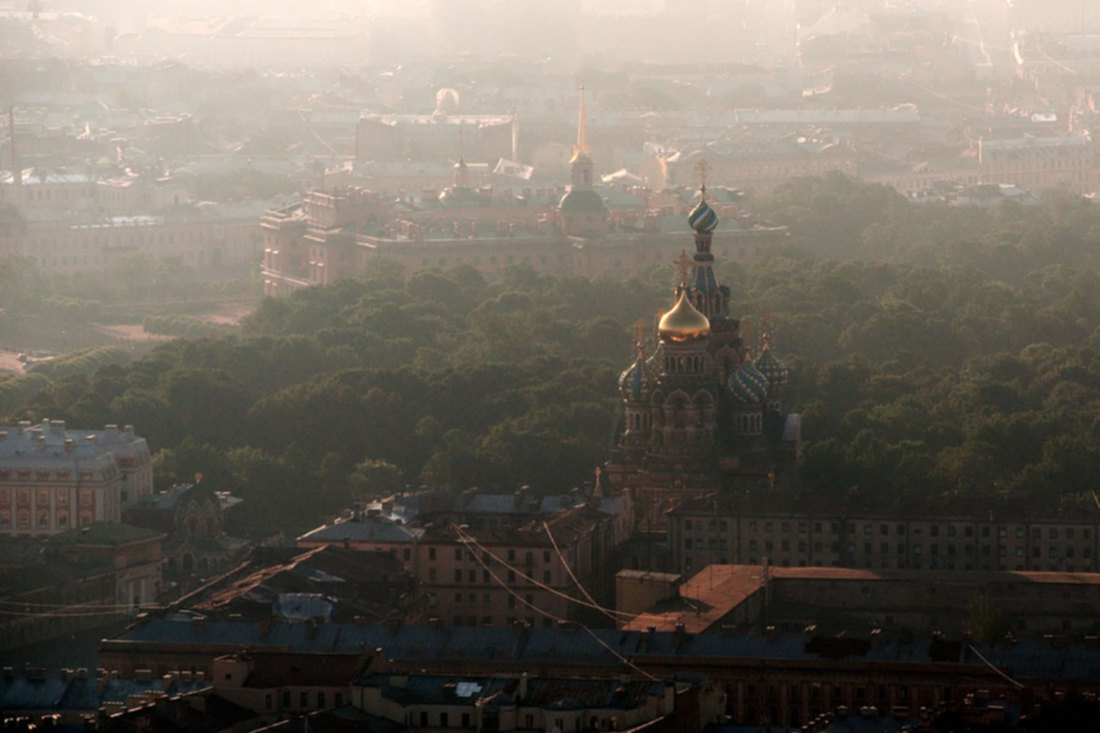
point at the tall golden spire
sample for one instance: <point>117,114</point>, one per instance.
<point>581,148</point>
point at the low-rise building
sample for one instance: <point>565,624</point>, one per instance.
<point>1005,538</point>
<point>54,478</point>
<point>776,678</point>
<point>73,698</point>
<point>194,518</point>
<point>328,583</point>
<point>79,579</point>
<point>424,702</point>
<point>272,683</point>
<point>1065,162</point>
<point>528,570</point>
<point>844,600</point>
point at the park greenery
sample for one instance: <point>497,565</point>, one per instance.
<point>939,356</point>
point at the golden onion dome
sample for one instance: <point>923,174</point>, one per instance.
<point>684,322</point>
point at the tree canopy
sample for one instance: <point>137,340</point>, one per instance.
<point>938,355</point>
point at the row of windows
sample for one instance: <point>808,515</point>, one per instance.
<point>24,474</point>
<point>303,699</point>
<point>915,563</point>
<point>885,548</point>
<point>900,529</point>
<point>461,554</point>
<point>471,575</point>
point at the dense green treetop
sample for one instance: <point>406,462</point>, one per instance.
<point>939,356</point>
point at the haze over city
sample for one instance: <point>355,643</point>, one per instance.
<point>677,365</point>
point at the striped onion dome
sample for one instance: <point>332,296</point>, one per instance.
<point>775,370</point>
<point>702,218</point>
<point>747,383</point>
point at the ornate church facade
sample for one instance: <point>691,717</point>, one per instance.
<point>700,412</point>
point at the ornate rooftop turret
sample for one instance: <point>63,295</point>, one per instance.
<point>636,382</point>
<point>771,367</point>
<point>702,218</point>
<point>747,384</point>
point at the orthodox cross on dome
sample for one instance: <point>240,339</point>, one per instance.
<point>639,334</point>
<point>702,168</point>
<point>766,330</point>
<point>683,262</point>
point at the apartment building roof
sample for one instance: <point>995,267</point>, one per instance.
<point>508,648</point>
<point>105,534</point>
<point>542,692</point>
<point>364,529</point>
<point>71,690</point>
<point>714,591</point>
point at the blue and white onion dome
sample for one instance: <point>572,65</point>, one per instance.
<point>637,381</point>
<point>775,370</point>
<point>747,384</point>
<point>702,218</point>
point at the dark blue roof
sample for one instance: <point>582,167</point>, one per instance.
<point>21,693</point>
<point>1023,660</point>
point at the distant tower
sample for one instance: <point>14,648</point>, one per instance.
<point>581,162</point>
<point>581,210</point>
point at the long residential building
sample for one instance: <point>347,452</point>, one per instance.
<point>786,679</point>
<point>54,478</point>
<point>713,530</point>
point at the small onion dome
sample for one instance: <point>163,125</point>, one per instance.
<point>748,384</point>
<point>684,322</point>
<point>636,383</point>
<point>584,199</point>
<point>702,218</point>
<point>775,370</point>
